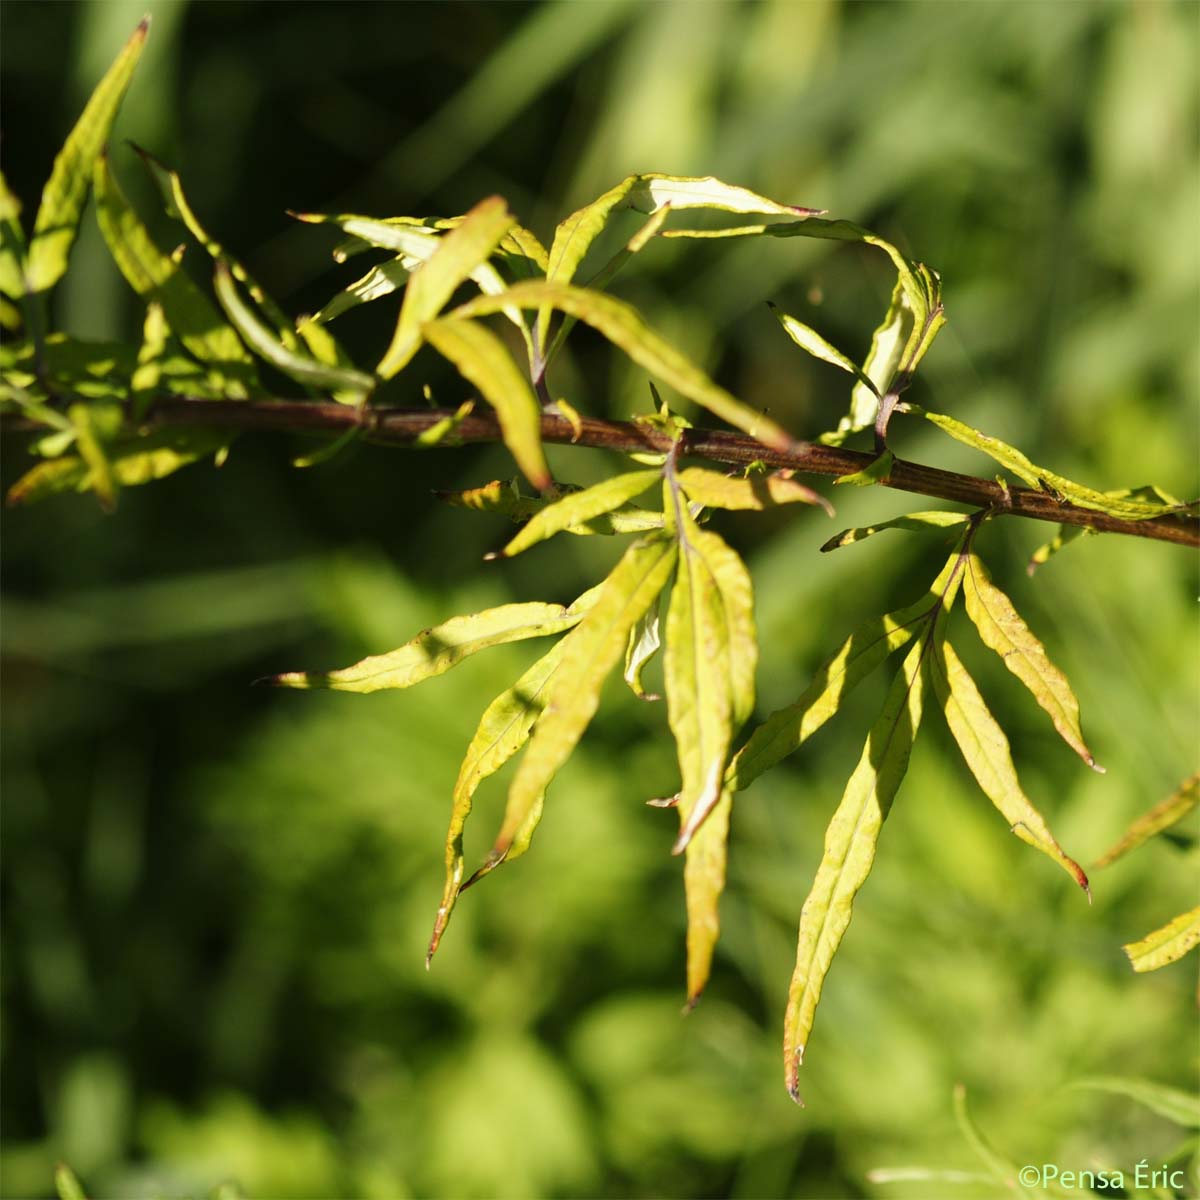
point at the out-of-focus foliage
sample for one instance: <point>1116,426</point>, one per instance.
<point>217,900</point>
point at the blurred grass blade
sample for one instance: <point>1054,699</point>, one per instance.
<point>576,508</point>
<point>66,191</point>
<point>12,245</point>
<point>436,650</point>
<point>756,492</point>
<point>1179,1107</point>
<point>703,882</point>
<point>156,276</point>
<point>102,478</point>
<point>1162,816</point>
<point>1007,1173</point>
<point>809,340</point>
<point>1166,945</point>
<point>299,366</point>
<point>461,252</point>
<point>592,650</point>
<point>483,360</point>
<point>645,638</point>
<point>1001,629</point>
<point>66,1184</point>
<point>849,854</point>
<point>986,751</point>
<point>930,521</point>
<point>624,327</point>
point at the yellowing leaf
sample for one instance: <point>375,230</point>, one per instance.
<point>986,751</point>
<point>808,339</point>
<point>1002,630</point>
<point>644,642</point>
<point>436,650</point>
<point>576,508</point>
<point>849,854</point>
<point>703,882</point>
<point>1166,945</point>
<point>460,252</point>
<point>66,191</point>
<point>1162,816</point>
<point>918,522</point>
<point>483,360</point>
<point>758,492</point>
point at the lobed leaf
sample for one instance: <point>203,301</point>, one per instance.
<point>1002,630</point>
<point>1162,816</point>
<point>986,751</point>
<point>576,508</point>
<point>66,191</point>
<point>644,642</point>
<point>482,359</point>
<point>809,340</point>
<point>849,854</point>
<point>1166,945</point>
<point>929,521</point>
<point>434,651</point>
<point>756,492</point>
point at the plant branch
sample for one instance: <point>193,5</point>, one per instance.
<point>402,427</point>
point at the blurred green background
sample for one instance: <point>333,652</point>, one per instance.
<point>217,898</point>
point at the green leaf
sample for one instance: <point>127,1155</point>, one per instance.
<point>434,651</point>
<point>592,650</point>
<point>757,492</point>
<point>483,360</point>
<point>66,191</point>
<point>88,441</point>
<point>1162,816</point>
<point>300,366</point>
<point>1008,1174</point>
<point>1065,535</point>
<point>155,276</point>
<point>986,751</point>
<point>460,253</point>
<point>1182,1108</point>
<point>644,642</point>
<point>576,508</point>
<point>144,384</point>
<point>380,281</point>
<point>503,729</point>
<point>809,340</point>
<point>499,496</point>
<point>1166,945</point>
<point>703,882</point>
<point>624,327</point>
<point>1002,630</point>
<point>849,854</point>
<point>878,471</point>
<point>930,521</point>
<point>443,431</point>
<point>12,244</point>
<point>67,1184</point>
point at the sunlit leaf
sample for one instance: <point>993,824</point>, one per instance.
<point>101,476</point>
<point>930,521</point>
<point>1065,535</point>
<point>460,252</point>
<point>482,359</point>
<point>624,327</point>
<point>436,650</point>
<point>380,281</point>
<point>12,244</point>
<point>66,1184</point>
<point>144,385</point>
<point>1183,1108</point>
<point>757,492</point>
<point>877,471</point>
<point>1162,816</point>
<point>703,882</point>
<point>809,340</point>
<point>576,508</point>
<point>66,191</point>
<point>986,751</point>
<point>644,641</point>
<point>1166,945</point>
<point>1002,630</point>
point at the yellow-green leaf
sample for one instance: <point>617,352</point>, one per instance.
<point>436,650</point>
<point>703,882</point>
<point>877,471</point>
<point>757,492</point>
<point>459,253</point>
<point>103,479</point>
<point>1065,535</point>
<point>482,359</point>
<point>66,191</point>
<point>143,386</point>
<point>849,854</point>
<point>576,508</point>
<point>644,641</point>
<point>918,522</point>
<point>624,327</point>
<point>12,244</point>
<point>1166,945</point>
<point>1176,1105</point>
<point>67,1184</point>
<point>1002,630</point>
<point>809,340</point>
<point>1162,816</point>
<point>986,751</point>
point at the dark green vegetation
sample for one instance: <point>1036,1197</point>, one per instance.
<point>214,900</point>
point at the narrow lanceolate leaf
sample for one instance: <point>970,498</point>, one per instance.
<point>703,882</point>
<point>1166,945</point>
<point>460,252</point>
<point>95,457</point>
<point>1180,1107</point>
<point>66,191</point>
<point>849,854</point>
<point>876,472</point>
<point>622,325</point>
<point>1002,630</point>
<point>578,507</point>
<point>1065,535</point>
<point>643,644</point>
<point>757,492</point>
<point>156,276</point>
<point>809,340</point>
<point>436,650</point>
<point>591,651</point>
<point>482,359</point>
<point>12,244</point>
<point>503,729</point>
<point>1005,1172</point>
<point>918,522</point>
<point>143,386</point>
<point>300,366</point>
<point>986,751</point>
<point>1162,816</point>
